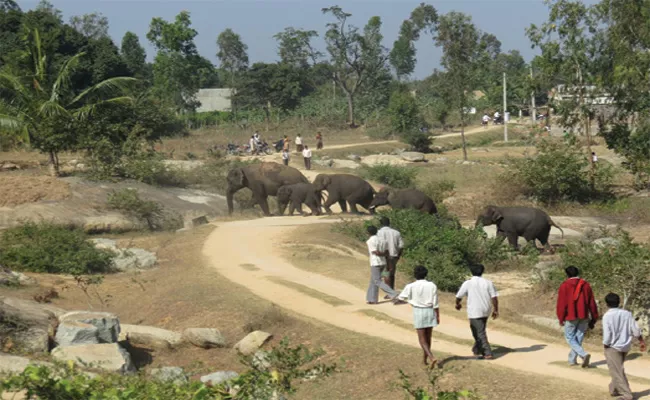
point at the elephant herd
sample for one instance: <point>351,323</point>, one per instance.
<point>293,189</point>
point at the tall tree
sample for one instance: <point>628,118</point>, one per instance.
<point>92,26</point>
<point>9,5</point>
<point>134,55</point>
<point>403,54</point>
<point>232,54</point>
<point>355,57</point>
<point>47,7</point>
<point>294,47</point>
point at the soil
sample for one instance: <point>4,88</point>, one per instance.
<point>20,189</point>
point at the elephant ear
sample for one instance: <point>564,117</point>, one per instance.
<point>496,215</point>
<point>327,180</point>
<point>236,176</point>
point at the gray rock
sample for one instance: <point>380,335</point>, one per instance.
<point>252,342</point>
<point>85,328</point>
<point>468,163</point>
<point>198,221</point>
<point>459,162</point>
<point>174,339</point>
<point>133,259</point>
<point>354,157</point>
<point>9,167</point>
<point>29,313</point>
<point>442,160</point>
<point>14,364</point>
<point>606,242</point>
<point>206,338</point>
<point>345,164</point>
<point>104,244</point>
<point>550,323</point>
<point>106,356</point>
<point>323,162</point>
<point>148,341</point>
<point>219,377</point>
<point>261,360</point>
<point>13,278</point>
<point>175,375</point>
<point>108,223</point>
<point>383,159</point>
<point>32,340</point>
<point>413,156</point>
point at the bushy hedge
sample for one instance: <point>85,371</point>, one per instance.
<point>150,212</point>
<point>391,175</point>
<point>45,247</point>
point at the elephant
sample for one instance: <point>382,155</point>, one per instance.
<point>512,222</point>
<point>263,179</point>
<point>296,195</point>
<point>404,198</point>
<point>345,189</point>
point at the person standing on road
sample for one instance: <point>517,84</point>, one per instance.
<point>285,156</point>
<point>306,155</point>
<point>395,244</point>
<point>319,141</point>
<point>485,120</point>
<point>298,143</point>
<point>619,328</point>
<point>576,311</point>
<point>422,295</point>
<point>377,252</point>
<point>482,298</point>
<point>286,143</point>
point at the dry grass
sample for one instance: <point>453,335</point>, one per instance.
<point>16,189</point>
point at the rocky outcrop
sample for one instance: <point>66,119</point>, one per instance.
<point>32,340</point>
<point>174,375</point>
<point>106,356</point>
<point>85,328</point>
<point>29,324</point>
<point>219,377</point>
<point>126,260</point>
<point>14,364</point>
<point>383,159</point>
<point>252,342</point>
<point>413,156</point>
<point>13,278</point>
<point>206,338</point>
<point>345,164</point>
<point>127,332</point>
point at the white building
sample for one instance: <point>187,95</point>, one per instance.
<point>214,99</point>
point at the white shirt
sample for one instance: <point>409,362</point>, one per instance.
<point>486,118</point>
<point>421,293</point>
<point>479,292</point>
<point>496,114</point>
<point>619,328</point>
<point>376,244</point>
<point>298,140</point>
<point>306,153</point>
<point>393,240</point>
<point>285,155</point>
<point>595,158</point>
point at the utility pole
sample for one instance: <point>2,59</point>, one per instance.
<point>533,111</point>
<point>505,107</point>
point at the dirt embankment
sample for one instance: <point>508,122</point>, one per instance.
<point>16,190</point>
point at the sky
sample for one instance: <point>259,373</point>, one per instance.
<point>257,21</point>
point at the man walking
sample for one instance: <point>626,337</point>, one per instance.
<point>395,245</point>
<point>377,252</point>
<point>576,311</point>
<point>298,143</point>
<point>306,155</point>
<point>619,328</point>
<point>481,300</point>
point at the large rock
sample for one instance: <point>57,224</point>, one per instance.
<point>206,338</point>
<point>104,244</point>
<point>106,356</point>
<point>148,341</point>
<point>27,314</point>
<point>323,162</point>
<point>413,156</point>
<point>32,340</point>
<point>174,375</point>
<point>134,259</point>
<point>128,331</point>
<point>345,164</point>
<point>109,223</point>
<point>252,342</point>
<point>14,364</point>
<point>13,278</point>
<point>219,377</point>
<point>85,327</point>
<point>354,157</point>
<point>383,159</point>
<point>606,242</point>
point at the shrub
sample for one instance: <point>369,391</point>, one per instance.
<point>403,112</point>
<point>150,212</point>
<point>45,247</point>
<point>433,392</point>
<point>391,175</point>
<point>419,141</point>
<point>559,172</point>
<point>438,190</point>
<point>634,145</point>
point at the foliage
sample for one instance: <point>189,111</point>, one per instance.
<point>147,211</point>
<point>134,55</point>
<point>419,141</point>
<point>232,54</point>
<point>634,145</point>
<point>403,112</point>
<point>391,175</point>
<point>438,190</point>
<point>432,392</point>
<point>294,47</point>
<point>49,248</point>
<point>559,172</point>
<point>92,26</point>
<point>402,56</point>
<point>286,365</point>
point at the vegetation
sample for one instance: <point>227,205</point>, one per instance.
<point>432,392</point>
<point>149,212</point>
<point>54,249</point>
<point>391,175</point>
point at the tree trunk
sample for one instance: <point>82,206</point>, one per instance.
<point>267,117</point>
<point>350,98</point>
<point>54,164</point>
<point>592,166</point>
<point>462,132</point>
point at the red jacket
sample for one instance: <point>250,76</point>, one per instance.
<point>573,304</point>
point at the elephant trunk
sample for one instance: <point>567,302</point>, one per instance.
<point>229,199</point>
<point>479,221</point>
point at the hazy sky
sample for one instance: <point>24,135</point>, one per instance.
<point>257,21</point>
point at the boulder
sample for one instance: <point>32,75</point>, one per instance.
<point>148,341</point>
<point>29,313</point>
<point>354,157</point>
<point>106,356</point>
<point>198,221</point>
<point>345,164</point>
<point>413,156</point>
<point>108,223</point>
<point>85,328</point>
<point>104,244</point>
<point>383,159</point>
<point>252,342</point>
<point>134,259</point>
<point>606,242</point>
<point>261,360</point>
<point>9,167</point>
<point>468,163</point>
<point>323,162</point>
<point>441,160</point>
<point>14,364</point>
<point>206,338</point>
<point>174,375</point>
<point>13,278</point>
<point>219,377</point>
<point>143,332</point>
<point>32,340</point>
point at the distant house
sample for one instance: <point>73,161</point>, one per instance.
<point>592,95</point>
<point>214,99</point>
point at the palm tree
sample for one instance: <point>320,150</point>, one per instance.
<point>42,108</point>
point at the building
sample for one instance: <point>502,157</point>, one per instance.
<point>214,100</point>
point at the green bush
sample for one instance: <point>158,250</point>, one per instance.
<point>438,190</point>
<point>403,112</point>
<point>433,392</point>
<point>50,248</point>
<point>391,175</point>
<point>150,212</point>
<point>419,141</point>
<point>559,172</point>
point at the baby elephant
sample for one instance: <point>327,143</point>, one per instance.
<point>404,198</point>
<point>512,222</point>
<point>296,195</point>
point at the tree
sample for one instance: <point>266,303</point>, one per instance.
<point>402,56</point>
<point>9,5</point>
<point>43,106</point>
<point>232,54</point>
<point>47,7</point>
<point>355,57</point>
<point>134,55</point>
<point>294,47</point>
<point>92,26</point>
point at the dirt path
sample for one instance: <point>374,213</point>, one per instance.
<point>228,249</point>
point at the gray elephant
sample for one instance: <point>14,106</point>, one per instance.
<point>345,189</point>
<point>297,194</point>
<point>403,199</point>
<point>263,179</point>
<point>512,222</point>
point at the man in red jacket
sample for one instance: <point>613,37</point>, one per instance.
<point>575,305</point>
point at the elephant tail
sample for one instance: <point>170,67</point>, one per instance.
<point>550,222</point>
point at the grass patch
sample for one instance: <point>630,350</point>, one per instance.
<point>249,267</point>
<point>331,300</point>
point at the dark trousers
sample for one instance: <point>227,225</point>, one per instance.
<point>481,344</point>
<point>391,267</point>
<point>307,162</point>
<point>319,145</point>
<point>286,162</point>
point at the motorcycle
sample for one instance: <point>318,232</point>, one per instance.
<point>498,120</point>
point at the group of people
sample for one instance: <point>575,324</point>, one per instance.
<point>498,118</point>
<point>576,308</point>
<point>300,148</point>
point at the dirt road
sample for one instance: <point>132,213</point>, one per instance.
<point>235,247</point>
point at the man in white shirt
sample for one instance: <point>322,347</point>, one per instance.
<point>306,155</point>
<point>482,299</point>
<point>485,120</point>
<point>619,328</point>
<point>377,253</point>
<point>298,143</point>
<point>395,244</point>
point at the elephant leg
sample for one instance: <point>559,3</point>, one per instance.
<point>513,239</point>
<point>543,238</point>
<point>264,204</point>
<point>299,207</point>
<point>328,203</point>
<point>344,206</point>
<point>292,207</point>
